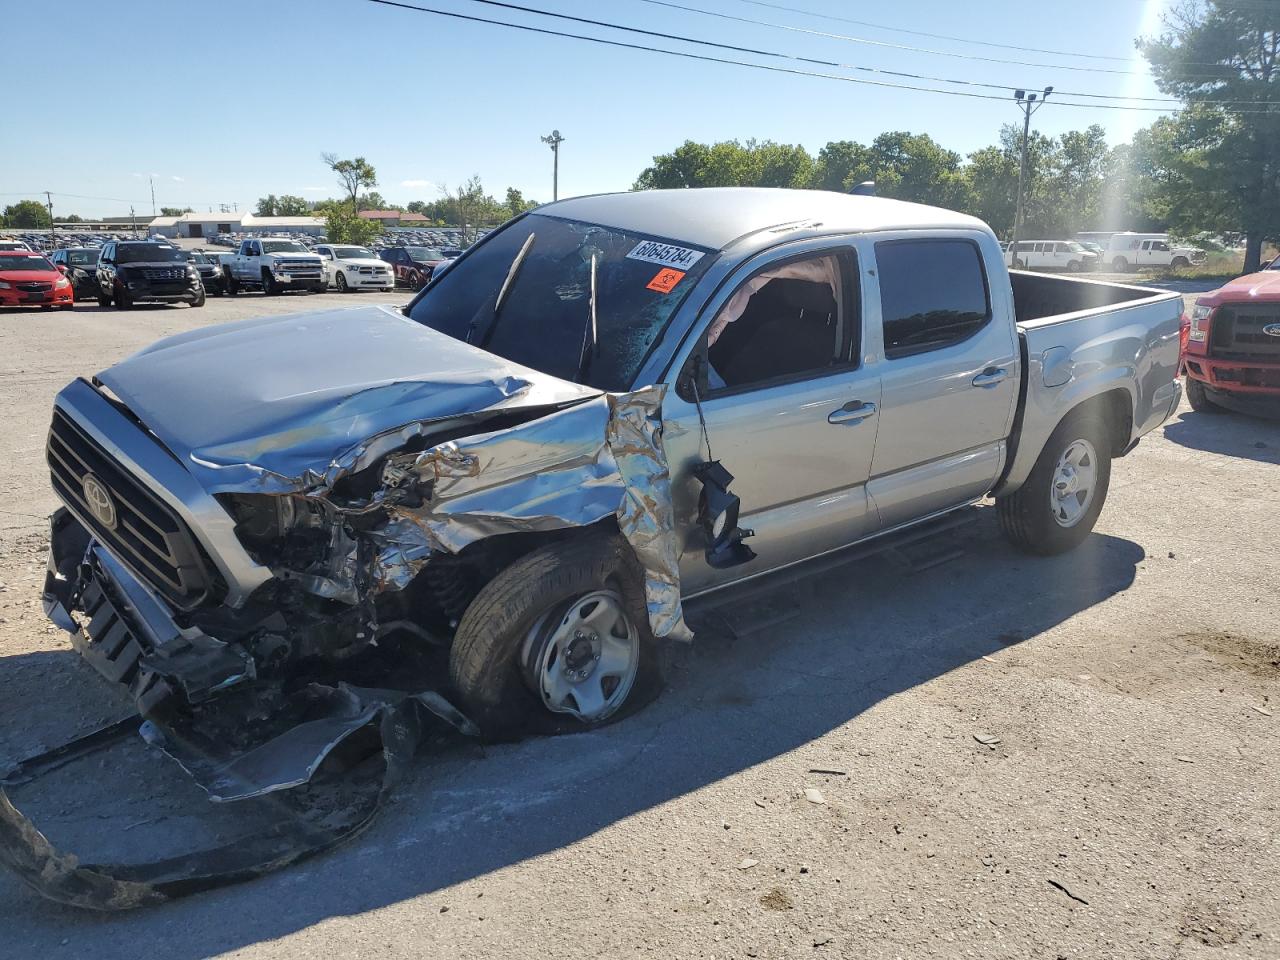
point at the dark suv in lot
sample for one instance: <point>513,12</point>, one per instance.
<point>133,271</point>
<point>413,265</point>
<point>82,267</point>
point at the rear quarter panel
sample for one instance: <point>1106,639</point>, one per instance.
<point>1076,357</point>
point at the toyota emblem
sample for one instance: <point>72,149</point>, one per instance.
<point>98,499</point>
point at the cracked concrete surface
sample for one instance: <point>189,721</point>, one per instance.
<point>1131,687</point>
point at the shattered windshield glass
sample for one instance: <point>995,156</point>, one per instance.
<point>546,316</point>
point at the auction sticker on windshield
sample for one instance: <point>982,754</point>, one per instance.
<point>665,280</point>
<point>665,254</point>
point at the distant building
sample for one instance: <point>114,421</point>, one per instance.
<point>208,224</point>
<point>388,218</point>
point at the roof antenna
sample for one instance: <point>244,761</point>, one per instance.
<point>867,188</point>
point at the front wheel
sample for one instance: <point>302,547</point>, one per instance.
<point>1018,265</point>
<point>342,282</point>
<point>562,633</point>
<point>123,300</point>
<point>415,281</point>
<point>103,300</point>
<point>1120,265</point>
<point>269,285</point>
<point>1057,507</point>
<point>198,300</point>
<point>1180,263</point>
<point>1073,266</point>
<point>1198,397</point>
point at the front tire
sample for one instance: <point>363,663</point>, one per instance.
<point>1198,397</point>
<point>104,301</point>
<point>558,640</point>
<point>1180,263</point>
<point>199,299</point>
<point>231,285</point>
<point>1073,266</point>
<point>415,281</point>
<point>342,283</point>
<point>1120,265</point>
<point>123,300</point>
<point>269,286</point>
<point>1057,507</point>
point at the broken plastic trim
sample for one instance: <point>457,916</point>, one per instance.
<point>399,721</point>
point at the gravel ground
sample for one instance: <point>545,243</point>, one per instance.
<point>1071,757</point>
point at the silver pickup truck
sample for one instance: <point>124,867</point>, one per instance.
<point>608,407</point>
<point>273,265</point>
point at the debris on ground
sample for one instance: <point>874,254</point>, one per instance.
<point>747,863</point>
<point>814,795</point>
<point>833,773</point>
<point>986,739</point>
<point>1057,885</point>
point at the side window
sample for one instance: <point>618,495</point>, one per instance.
<point>933,294</point>
<point>1146,244</point>
<point>790,319</point>
<point>1060,248</point>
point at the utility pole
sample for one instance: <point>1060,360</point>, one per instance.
<point>153,198</point>
<point>133,219</point>
<point>1028,103</point>
<point>53,231</point>
<point>555,140</point>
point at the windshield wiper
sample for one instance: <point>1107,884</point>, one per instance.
<point>507,284</point>
<point>590,336</point>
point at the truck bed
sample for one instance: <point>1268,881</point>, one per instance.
<point>1086,339</point>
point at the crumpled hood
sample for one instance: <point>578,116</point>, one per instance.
<point>296,402</point>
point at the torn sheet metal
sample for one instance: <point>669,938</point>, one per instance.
<point>573,468</point>
<point>314,818</point>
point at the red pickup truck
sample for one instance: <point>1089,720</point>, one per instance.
<point>1231,346</point>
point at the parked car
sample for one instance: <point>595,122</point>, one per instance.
<point>355,268</point>
<point>137,271</point>
<point>412,265</point>
<point>517,466</point>
<point>1132,251</point>
<point>209,266</point>
<point>1051,255</point>
<point>273,266</point>
<point>81,268</point>
<point>1231,346</point>
<point>28,279</point>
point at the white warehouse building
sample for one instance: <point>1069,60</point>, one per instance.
<point>208,224</point>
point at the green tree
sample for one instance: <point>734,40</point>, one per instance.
<point>26,213</point>
<point>291,206</point>
<point>71,218</point>
<point>841,166</point>
<point>1222,58</point>
<point>373,201</point>
<point>174,211</point>
<point>343,226</point>
<point>354,175</point>
<point>515,203</point>
<point>267,206</point>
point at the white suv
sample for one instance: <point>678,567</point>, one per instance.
<point>355,268</point>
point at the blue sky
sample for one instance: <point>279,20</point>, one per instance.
<point>231,100</point>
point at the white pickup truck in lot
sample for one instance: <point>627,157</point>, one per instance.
<point>517,466</point>
<point>273,266</point>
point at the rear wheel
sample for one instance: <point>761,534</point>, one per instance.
<point>1198,397</point>
<point>560,635</point>
<point>1018,264</point>
<point>1056,508</point>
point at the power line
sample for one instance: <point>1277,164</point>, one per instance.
<point>931,36</point>
<point>900,46</point>
<point>546,31</point>
<point>666,35</point>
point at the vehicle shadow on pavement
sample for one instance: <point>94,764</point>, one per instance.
<point>1229,434</point>
<point>860,635</point>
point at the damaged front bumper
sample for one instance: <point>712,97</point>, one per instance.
<point>126,632</point>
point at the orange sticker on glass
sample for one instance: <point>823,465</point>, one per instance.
<point>665,281</point>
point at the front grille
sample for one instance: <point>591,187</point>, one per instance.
<point>1236,333</point>
<point>298,266</point>
<point>163,273</point>
<point>148,536</point>
<point>34,287</point>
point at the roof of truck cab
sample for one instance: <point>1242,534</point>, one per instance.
<point>715,217</point>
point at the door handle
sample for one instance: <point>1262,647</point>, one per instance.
<point>855,411</point>
<point>990,377</point>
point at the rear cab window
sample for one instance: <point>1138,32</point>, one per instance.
<point>933,294</point>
